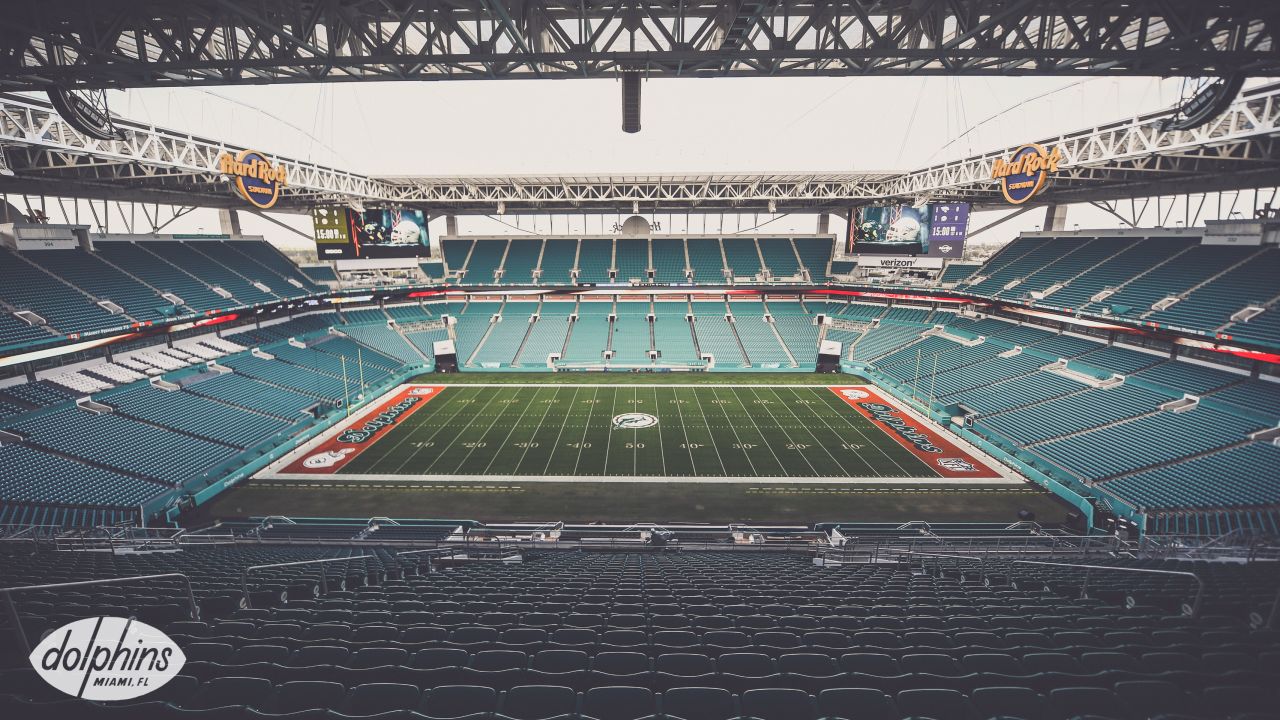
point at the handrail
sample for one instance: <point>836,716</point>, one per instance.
<point>17,621</point>
<point>1084,588</point>
<point>434,550</point>
<point>1195,604</point>
<point>981,559</point>
<point>426,550</point>
<point>324,584</point>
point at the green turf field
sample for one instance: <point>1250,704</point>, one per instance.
<point>700,432</point>
<point>640,378</point>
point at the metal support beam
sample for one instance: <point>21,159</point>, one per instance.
<point>146,43</point>
<point>1125,159</point>
<point>1055,217</point>
<point>229,220</point>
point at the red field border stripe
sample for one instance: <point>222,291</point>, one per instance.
<point>922,441</point>
<point>360,433</point>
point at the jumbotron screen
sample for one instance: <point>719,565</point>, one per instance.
<point>930,230</point>
<point>343,233</point>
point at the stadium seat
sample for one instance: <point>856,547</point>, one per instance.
<point>698,703</point>
<point>300,695</point>
<point>939,704</point>
<point>221,692</point>
<point>449,702</point>
<point>777,704</point>
<point>1019,702</point>
<point>1155,697</point>
<point>1085,701</point>
<point>539,702</point>
<point>851,703</point>
<point>376,698</point>
<point>618,703</point>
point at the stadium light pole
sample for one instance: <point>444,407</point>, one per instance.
<point>346,394</point>
<point>360,362</point>
<point>916,379</point>
<point>933,381</point>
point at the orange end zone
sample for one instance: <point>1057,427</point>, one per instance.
<point>363,430</point>
<point>925,442</point>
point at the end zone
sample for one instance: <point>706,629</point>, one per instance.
<point>921,439</point>
<point>351,437</point>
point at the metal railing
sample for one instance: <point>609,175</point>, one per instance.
<point>1088,570</point>
<point>874,549</point>
<point>324,581</point>
<point>1084,588</point>
<point>17,620</point>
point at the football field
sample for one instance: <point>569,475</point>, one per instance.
<point>637,433</point>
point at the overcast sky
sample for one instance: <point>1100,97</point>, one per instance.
<point>689,125</point>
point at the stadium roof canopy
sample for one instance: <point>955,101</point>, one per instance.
<point>1128,158</point>
<point>148,43</point>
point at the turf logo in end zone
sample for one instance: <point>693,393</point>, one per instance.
<point>889,417</point>
<point>855,394</point>
<point>384,419</point>
<point>327,459</point>
<point>634,421</point>
<point>956,464</point>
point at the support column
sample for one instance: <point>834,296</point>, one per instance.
<point>824,224</point>
<point>451,225</point>
<point>1055,217</point>
<point>230,222</point>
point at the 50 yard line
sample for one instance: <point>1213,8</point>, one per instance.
<point>661,447</point>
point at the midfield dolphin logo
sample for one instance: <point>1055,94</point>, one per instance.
<point>633,421</point>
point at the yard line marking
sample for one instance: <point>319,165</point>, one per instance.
<point>509,432</point>
<point>711,438</point>
<point>359,479</point>
<point>608,443</point>
<point>458,434</point>
<point>790,440</point>
<point>662,451</point>
<point>555,392</point>
<point>737,437</point>
<point>791,409</point>
<point>826,399</point>
<point>409,437</point>
<point>578,460</point>
<point>476,443</point>
<point>871,469</point>
<point>693,465</point>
